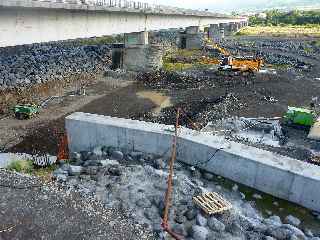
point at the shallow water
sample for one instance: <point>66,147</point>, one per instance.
<point>162,101</point>
<point>276,206</point>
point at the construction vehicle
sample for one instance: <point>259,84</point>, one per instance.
<point>25,111</point>
<point>241,64</point>
<point>229,63</point>
<point>299,117</point>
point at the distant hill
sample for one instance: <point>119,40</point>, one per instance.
<point>286,4</point>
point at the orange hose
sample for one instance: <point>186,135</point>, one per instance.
<point>165,219</point>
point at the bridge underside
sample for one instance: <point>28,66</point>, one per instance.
<point>20,25</point>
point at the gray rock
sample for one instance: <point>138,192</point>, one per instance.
<point>235,228</point>
<point>273,221</point>
<point>308,232</point>
<point>294,237</point>
<point>158,163</point>
<point>97,151</point>
<point>109,163</point>
<point>257,196</point>
<point>75,156</point>
<point>60,171</point>
<point>152,213</point>
<point>196,174</point>
<point>91,163</point>
<point>201,220</point>
<point>60,177</point>
<point>215,225</point>
<point>179,218</point>
<point>315,238</point>
<point>252,224</point>
<point>269,238</point>
<point>115,171</point>
<point>235,188</point>
<point>117,155</point>
<point>191,214</point>
<point>85,155</point>
<point>294,231</point>
<point>208,176</point>
<point>91,170</point>
<point>180,229</point>
<point>292,220</point>
<point>136,155</point>
<point>74,170</point>
<point>279,233</point>
<point>144,203</point>
<point>242,195</point>
<point>199,233</point>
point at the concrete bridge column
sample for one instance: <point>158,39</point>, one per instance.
<point>222,30</point>
<point>138,55</point>
<point>214,32</point>
<point>191,38</point>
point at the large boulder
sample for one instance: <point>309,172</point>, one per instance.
<point>199,232</point>
<point>292,220</point>
<point>75,170</point>
<point>117,155</point>
<point>201,220</point>
<point>215,225</point>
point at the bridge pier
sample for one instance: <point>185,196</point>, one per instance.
<point>139,55</point>
<point>191,38</point>
<point>214,32</point>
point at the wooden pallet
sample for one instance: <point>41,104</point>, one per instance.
<point>212,203</point>
<point>316,160</point>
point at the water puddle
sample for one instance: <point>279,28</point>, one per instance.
<point>269,205</point>
<point>162,101</point>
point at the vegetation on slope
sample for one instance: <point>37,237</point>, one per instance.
<point>277,31</point>
<point>276,17</point>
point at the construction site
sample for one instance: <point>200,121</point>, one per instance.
<point>193,134</point>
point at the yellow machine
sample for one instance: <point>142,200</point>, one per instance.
<point>242,64</point>
<point>234,64</point>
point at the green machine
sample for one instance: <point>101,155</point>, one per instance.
<point>299,116</point>
<point>25,111</point>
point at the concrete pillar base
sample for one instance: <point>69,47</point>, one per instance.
<point>142,58</point>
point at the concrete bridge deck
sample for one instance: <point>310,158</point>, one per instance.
<point>26,22</point>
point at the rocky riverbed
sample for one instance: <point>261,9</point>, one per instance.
<point>135,183</point>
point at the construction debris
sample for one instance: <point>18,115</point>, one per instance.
<point>212,203</point>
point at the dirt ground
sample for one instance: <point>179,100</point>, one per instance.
<point>204,95</point>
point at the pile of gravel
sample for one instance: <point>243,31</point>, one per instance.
<point>33,209</point>
<point>38,63</point>
<point>135,182</point>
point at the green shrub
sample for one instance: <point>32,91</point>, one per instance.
<point>176,66</point>
<point>23,166</point>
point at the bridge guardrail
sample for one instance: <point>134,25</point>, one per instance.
<point>127,4</point>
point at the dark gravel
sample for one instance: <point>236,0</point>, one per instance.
<point>31,209</point>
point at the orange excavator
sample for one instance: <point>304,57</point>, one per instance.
<point>241,64</point>
<point>229,63</point>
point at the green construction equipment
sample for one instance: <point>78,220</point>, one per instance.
<point>299,117</point>
<point>25,111</point>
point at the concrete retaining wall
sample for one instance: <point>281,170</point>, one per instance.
<point>271,173</point>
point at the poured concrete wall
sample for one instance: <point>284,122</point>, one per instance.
<point>25,22</point>
<point>142,58</point>
<point>271,173</point>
